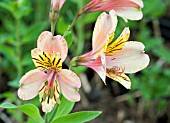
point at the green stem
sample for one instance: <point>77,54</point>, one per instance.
<point>70,68</point>
<point>55,111</point>
<point>53,15</point>
<point>80,30</point>
<point>52,28</point>
<point>74,21</point>
<point>79,13</point>
<point>46,119</point>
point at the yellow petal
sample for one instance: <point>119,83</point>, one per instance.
<point>49,97</point>
<point>44,61</point>
<point>117,45</point>
<point>119,77</point>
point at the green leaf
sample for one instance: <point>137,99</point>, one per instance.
<point>62,25</point>
<point>162,52</point>
<point>69,38</point>
<point>17,9</point>
<point>33,32</point>
<point>9,53</point>
<point>28,109</point>
<point>14,83</point>
<point>65,107</point>
<point>27,60</point>
<point>78,117</point>
<point>154,11</point>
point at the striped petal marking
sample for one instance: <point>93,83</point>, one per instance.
<point>45,61</point>
<point>118,44</point>
<point>49,91</point>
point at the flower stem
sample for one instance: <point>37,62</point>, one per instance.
<point>46,119</point>
<point>79,13</point>
<point>52,28</point>
<point>53,16</point>
<point>54,113</point>
<point>74,21</point>
<point>70,68</point>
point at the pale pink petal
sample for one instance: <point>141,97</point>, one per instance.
<point>57,4</point>
<point>61,3</point>
<point>87,57</point>
<point>30,84</point>
<point>127,9</point>
<point>92,5</point>
<point>70,84</point>
<point>104,28</point>
<point>131,58</point>
<point>130,13</point>
<point>97,65</point>
<point>139,3</point>
<point>50,44</point>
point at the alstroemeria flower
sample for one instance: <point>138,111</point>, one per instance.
<point>49,80</point>
<point>113,59</point>
<point>127,9</point>
<point>57,4</point>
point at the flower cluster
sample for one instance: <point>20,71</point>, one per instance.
<point>107,57</point>
<point>113,58</point>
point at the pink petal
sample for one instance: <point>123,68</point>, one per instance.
<point>30,84</point>
<point>87,57</point>
<point>61,3</point>
<point>98,65</point>
<point>69,83</point>
<point>128,9</point>
<point>130,13</point>
<point>92,5</point>
<point>131,58</point>
<point>57,4</point>
<point>50,44</point>
<point>138,2</point>
<point>104,28</point>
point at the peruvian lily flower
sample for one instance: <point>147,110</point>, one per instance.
<point>113,59</point>
<point>127,9</point>
<point>49,80</point>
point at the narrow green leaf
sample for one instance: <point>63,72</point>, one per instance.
<point>7,105</point>
<point>9,53</point>
<point>162,52</point>
<point>33,32</point>
<point>78,117</point>
<point>69,38</point>
<point>65,107</point>
<point>14,83</point>
<point>28,109</point>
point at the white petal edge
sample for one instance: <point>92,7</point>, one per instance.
<point>30,84</point>
<point>131,58</point>
<point>69,83</point>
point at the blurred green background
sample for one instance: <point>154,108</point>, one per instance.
<point>21,22</point>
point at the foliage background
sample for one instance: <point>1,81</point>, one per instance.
<point>21,22</point>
